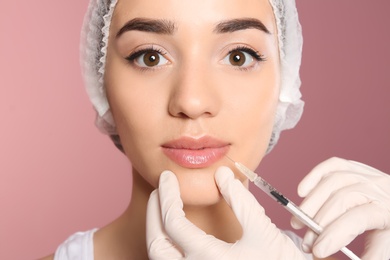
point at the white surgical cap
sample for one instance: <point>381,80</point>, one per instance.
<point>94,40</point>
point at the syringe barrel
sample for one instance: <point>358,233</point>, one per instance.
<point>271,191</point>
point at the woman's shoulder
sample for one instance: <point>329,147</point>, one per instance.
<point>77,246</point>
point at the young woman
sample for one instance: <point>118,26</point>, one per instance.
<point>181,85</point>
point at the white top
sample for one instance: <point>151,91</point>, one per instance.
<point>79,246</point>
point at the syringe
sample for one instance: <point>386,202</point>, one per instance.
<point>286,203</point>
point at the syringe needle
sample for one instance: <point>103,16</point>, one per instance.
<point>230,159</point>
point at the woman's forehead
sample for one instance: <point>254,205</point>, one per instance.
<point>188,13</point>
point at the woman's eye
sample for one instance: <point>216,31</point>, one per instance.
<point>148,58</point>
<point>239,58</point>
<point>242,58</point>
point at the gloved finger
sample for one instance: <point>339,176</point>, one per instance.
<point>345,199</point>
<point>339,203</point>
<point>244,205</point>
<point>369,168</point>
<point>334,164</point>
<point>348,226</point>
<point>182,231</point>
<point>159,245</point>
<point>377,246</point>
<point>329,201</point>
<point>328,185</point>
<point>308,241</point>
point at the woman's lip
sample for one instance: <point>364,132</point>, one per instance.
<point>195,153</point>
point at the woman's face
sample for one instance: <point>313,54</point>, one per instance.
<point>189,82</point>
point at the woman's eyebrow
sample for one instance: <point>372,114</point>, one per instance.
<point>240,24</point>
<point>159,26</point>
<point>162,26</point>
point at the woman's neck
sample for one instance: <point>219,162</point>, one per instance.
<point>125,238</point>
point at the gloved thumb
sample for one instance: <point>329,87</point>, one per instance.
<point>244,205</point>
<point>183,232</point>
<point>159,245</point>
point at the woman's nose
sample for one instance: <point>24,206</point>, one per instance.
<point>194,94</point>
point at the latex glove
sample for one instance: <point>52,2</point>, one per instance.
<point>170,235</point>
<point>347,198</point>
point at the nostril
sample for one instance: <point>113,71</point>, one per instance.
<point>192,105</point>
<point>182,115</point>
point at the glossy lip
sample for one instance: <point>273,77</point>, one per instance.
<point>195,153</point>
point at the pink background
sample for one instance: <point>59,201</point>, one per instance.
<point>59,175</point>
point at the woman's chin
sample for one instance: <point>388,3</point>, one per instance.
<point>199,190</point>
<point>201,198</point>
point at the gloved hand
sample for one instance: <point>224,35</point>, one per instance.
<point>347,198</point>
<point>170,235</point>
